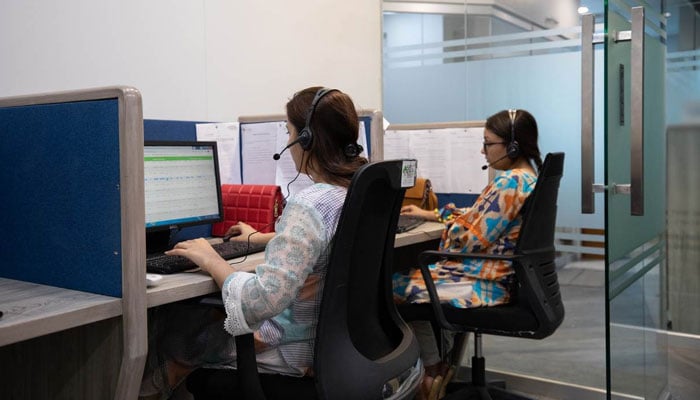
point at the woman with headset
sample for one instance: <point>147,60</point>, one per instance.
<point>277,302</point>
<point>491,225</point>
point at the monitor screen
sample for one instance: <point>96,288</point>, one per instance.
<point>182,184</point>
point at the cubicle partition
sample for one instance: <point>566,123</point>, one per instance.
<point>374,130</point>
<point>448,153</point>
<point>263,135</point>
<point>170,130</point>
<point>72,222</point>
<point>455,148</point>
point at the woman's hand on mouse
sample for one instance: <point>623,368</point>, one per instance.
<point>243,232</point>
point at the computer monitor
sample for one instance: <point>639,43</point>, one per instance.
<point>182,188</point>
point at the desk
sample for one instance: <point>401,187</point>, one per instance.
<point>187,285</point>
<point>61,343</point>
<point>428,231</point>
<point>184,286</point>
<point>58,343</point>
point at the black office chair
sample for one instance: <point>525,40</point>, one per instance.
<point>363,350</point>
<point>535,310</point>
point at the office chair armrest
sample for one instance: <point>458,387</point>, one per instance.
<point>431,256</point>
<point>246,362</point>
<point>247,366</point>
<point>434,299</point>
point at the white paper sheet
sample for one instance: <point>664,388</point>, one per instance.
<point>258,145</point>
<point>226,137</point>
<point>396,145</point>
<point>465,148</point>
<point>451,158</point>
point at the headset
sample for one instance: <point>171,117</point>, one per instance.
<point>513,148</point>
<point>306,136</point>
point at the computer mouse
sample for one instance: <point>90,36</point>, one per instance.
<point>153,279</point>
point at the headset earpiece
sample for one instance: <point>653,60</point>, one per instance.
<point>304,138</point>
<point>513,148</point>
<point>352,150</point>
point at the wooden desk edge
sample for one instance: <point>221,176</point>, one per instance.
<point>71,313</point>
<point>422,233</point>
<point>174,288</point>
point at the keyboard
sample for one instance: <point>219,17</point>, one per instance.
<point>160,263</point>
<point>408,222</point>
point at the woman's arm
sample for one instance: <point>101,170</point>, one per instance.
<point>250,298</point>
<point>410,209</point>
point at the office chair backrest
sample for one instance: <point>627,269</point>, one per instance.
<point>538,283</point>
<point>361,340</point>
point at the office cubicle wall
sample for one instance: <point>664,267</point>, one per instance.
<point>170,130</point>
<point>374,129</point>
<point>73,181</point>
<point>587,242</point>
<point>469,163</point>
<point>373,124</point>
<point>73,205</point>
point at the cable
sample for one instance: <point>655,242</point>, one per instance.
<point>290,184</point>
<point>248,242</point>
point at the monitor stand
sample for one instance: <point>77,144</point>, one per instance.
<point>159,241</point>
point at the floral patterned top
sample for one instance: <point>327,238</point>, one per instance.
<point>281,300</point>
<point>492,226</point>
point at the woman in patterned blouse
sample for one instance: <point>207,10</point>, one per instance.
<point>280,301</point>
<point>491,225</point>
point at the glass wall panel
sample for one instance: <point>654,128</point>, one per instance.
<point>683,196</point>
<point>489,59</point>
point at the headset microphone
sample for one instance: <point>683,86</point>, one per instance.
<point>483,167</point>
<point>277,156</point>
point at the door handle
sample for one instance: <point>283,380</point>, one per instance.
<point>636,36</point>
<point>637,113</point>
<point>636,186</point>
<point>587,99</point>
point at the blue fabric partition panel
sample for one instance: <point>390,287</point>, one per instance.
<point>60,221</point>
<point>368,135</point>
<point>161,129</point>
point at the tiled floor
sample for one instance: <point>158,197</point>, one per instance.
<point>575,353</point>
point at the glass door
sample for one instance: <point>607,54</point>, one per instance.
<point>620,269</point>
<point>634,187</point>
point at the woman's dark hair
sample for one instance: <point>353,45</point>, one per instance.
<point>524,131</point>
<point>334,125</point>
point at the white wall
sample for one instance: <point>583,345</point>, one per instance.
<point>210,60</point>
